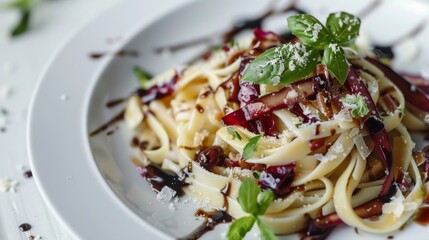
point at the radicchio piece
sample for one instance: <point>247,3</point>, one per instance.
<point>158,91</point>
<point>297,110</point>
<point>418,81</point>
<point>248,92</point>
<point>284,98</point>
<point>262,35</point>
<point>376,129</point>
<point>263,124</point>
<point>318,227</point>
<point>278,178</point>
<point>414,94</point>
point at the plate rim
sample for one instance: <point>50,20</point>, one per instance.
<point>98,69</point>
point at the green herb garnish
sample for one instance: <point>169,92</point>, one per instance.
<point>216,48</point>
<point>234,133</point>
<point>142,76</point>
<point>255,202</point>
<point>251,147</point>
<point>233,43</point>
<point>256,175</point>
<point>357,104</point>
<point>24,7</point>
<point>291,62</point>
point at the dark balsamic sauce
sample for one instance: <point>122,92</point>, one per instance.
<point>159,178</point>
<point>322,235</point>
<point>199,108</point>
<point>115,102</point>
<point>28,174</point>
<point>24,227</point>
<point>216,217</point>
<point>105,126</point>
<point>317,131</point>
<point>383,52</point>
<point>206,93</point>
<point>390,237</point>
<point>237,27</point>
<point>135,142</point>
<point>226,191</point>
<point>110,132</point>
<point>122,53</point>
<point>422,216</point>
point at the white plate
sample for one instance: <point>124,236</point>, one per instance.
<point>89,183</point>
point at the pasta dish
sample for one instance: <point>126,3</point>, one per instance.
<point>316,123</point>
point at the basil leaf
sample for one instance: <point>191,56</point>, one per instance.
<point>234,133</point>
<point>251,147</point>
<point>335,60</point>
<point>265,232</point>
<point>256,175</point>
<point>142,76</point>
<point>265,198</point>
<point>23,24</point>
<point>286,63</point>
<point>344,27</point>
<point>248,195</point>
<point>240,227</point>
<point>19,4</point>
<point>309,30</point>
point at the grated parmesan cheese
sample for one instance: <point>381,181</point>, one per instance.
<point>166,194</point>
<point>398,204</point>
<point>8,185</point>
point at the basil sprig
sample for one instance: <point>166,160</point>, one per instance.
<point>255,202</point>
<point>24,7</point>
<point>294,61</point>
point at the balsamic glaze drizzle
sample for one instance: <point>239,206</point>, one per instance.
<point>216,217</point>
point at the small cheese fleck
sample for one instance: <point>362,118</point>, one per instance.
<point>398,205</point>
<point>8,185</point>
<point>325,158</point>
<point>166,194</point>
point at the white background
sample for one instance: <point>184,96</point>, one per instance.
<point>21,61</point>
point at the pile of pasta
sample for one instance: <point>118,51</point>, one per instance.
<point>345,175</point>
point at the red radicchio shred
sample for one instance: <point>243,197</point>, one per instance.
<point>416,95</point>
<point>389,103</point>
<point>157,92</point>
<point>316,144</point>
<point>297,110</point>
<point>270,102</point>
<point>418,81</point>
<point>278,178</point>
<point>206,56</point>
<point>245,61</point>
<point>248,92</point>
<point>263,124</point>
<point>262,35</point>
<point>318,226</point>
<point>376,129</point>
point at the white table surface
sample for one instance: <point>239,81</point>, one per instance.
<point>21,62</point>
